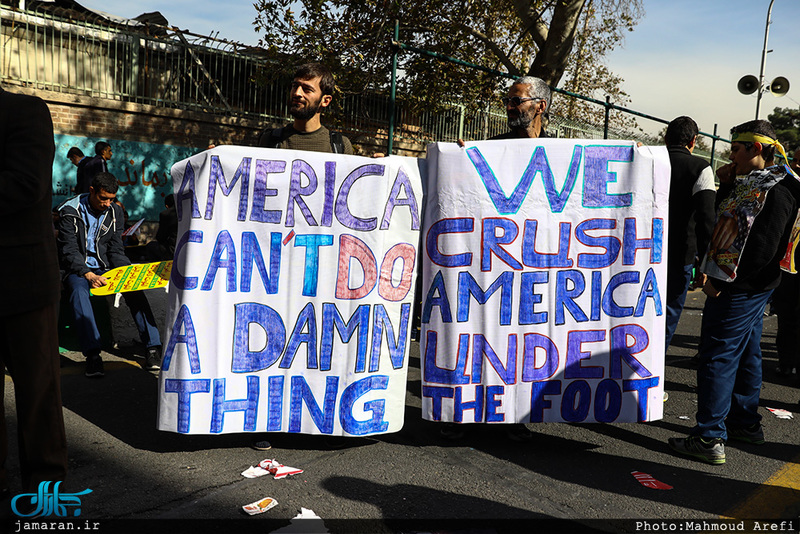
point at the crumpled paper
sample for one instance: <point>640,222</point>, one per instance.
<point>270,466</point>
<point>306,522</point>
<point>259,507</point>
<point>780,413</point>
<point>647,480</point>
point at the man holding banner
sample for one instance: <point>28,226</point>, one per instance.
<point>526,105</point>
<point>749,240</point>
<point>526,108</point>
<point>543,277</point>
<point>293,288</point>
<point>311,92</point>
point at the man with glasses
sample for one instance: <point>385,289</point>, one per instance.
<point>526,107</point>
<point>526,104</point>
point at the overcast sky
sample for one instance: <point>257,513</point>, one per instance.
<point>684,58</point>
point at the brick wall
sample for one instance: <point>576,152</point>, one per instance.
<point>103,118</point>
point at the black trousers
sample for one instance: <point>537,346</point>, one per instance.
<point>29,350</point>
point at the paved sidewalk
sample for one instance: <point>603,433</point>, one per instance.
<point>570,478</point>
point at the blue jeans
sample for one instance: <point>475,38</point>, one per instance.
<point>677,285</point>
<point>86,326</point>
<point>729,373</point>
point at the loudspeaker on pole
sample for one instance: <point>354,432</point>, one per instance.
<point>779,86</point>
<point>748,84</point>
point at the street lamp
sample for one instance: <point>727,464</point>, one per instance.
<point>750,84</point>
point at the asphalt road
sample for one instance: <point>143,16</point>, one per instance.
<point>570,478</point>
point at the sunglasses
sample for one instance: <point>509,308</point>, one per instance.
<point>515,101</point>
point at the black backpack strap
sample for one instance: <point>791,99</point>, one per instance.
<point>270,138</point>
<point>275,137</point>
<point>337,142</point>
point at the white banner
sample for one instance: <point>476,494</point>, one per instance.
<point>291,293</point>
<point>544,278</point>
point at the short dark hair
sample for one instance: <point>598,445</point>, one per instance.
<point>169,200</point>
<point>74,151</point>
<point>311,70</point>
<point>681,131</point>
<point>99,147</point>
<point>105,181</point>
<point>760,127</point>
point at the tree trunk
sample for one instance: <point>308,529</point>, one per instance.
<point>551,60</point>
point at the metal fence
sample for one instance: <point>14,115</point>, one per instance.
<point>78,52</point>
<point>133,62</point>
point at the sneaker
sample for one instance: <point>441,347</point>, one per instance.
<point>152,362</point>
<point>451,431</point>
<point>261,445</point>
<point>519,433</point>
<point>711,451</point>
<point>94,367</point>
<point>749,434</point>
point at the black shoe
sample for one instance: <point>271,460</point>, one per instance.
<point>94,367</point>
<point>261,445</point>
<point>335,443</point>
<point>452,431</point>
<point>749,434</point>
<point>152,362</point>
<point>519,433</point>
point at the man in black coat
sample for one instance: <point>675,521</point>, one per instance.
<point>29,283</point>
<point>95,165</point>
<point>691,215</point>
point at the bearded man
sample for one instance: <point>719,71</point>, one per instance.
<point>311,92</point>
<point>526,107</point>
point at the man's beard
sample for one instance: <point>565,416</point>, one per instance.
<point>306,112</point>
<point>522,121</point>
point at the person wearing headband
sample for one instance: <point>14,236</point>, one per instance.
<point>729,371</point>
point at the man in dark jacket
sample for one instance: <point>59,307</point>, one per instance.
<point>30,287</point>
<point>89,244</point>
<point>753,224</point>
<point>82,182</point>
<point>97,164</point>
<point>691,215</point>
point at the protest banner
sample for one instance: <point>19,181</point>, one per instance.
<point>544,272</point>
<point>291,293</point>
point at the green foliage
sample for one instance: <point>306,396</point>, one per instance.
<point>545,38</point>
<point>786,122</point>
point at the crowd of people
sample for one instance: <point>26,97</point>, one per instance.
<point>89,243</point>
